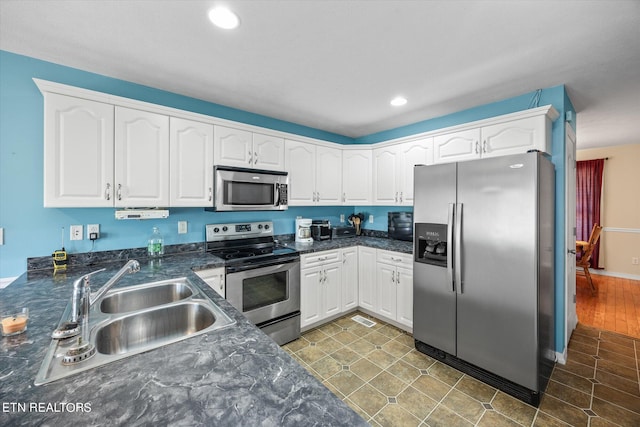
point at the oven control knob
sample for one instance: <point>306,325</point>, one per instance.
<point>215,230</point>
<point>225,228</point>
<point>266,226</point>
<point>259,226</point>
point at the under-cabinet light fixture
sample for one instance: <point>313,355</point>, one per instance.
<point>224,18</point>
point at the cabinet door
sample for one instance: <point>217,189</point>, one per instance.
<point>349,278</point>
<point>328,176</point>
<point>141,158</point>
<point>191,160</point>
<point>515,137</point>
<point>233,147</point>
<point>367,278</point>
<point>458,146</point>
<point>404,287</point>
<point>310,296</point>
<point>411,154</point>
<point>215,278</point>
<point>356,177</point>
<point>268,152</point>
<point>332,289</point>
<point>385,171</point>
<point>78,152</point>
<point>300,162</point>
<point>386,287</point>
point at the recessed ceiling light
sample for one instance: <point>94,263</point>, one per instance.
<point>398,101</point>
<point>223,18</point>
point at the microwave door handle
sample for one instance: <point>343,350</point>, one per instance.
<point>277,194</point>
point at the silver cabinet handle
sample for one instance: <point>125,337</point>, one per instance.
<point>250,157</point>
<point>119,191</point>
<point>107,192</point>
<point>484,146</point>
<point>255,157</point>
<point>322,258</point>
<point>393,276</point>
<point>396,199</point>
<point>221,282</point>
<point>396,259</point>
<point>397,278</point>
<point>401,197</point>
<point>477,147</point>
<point>344,197</point>
<point>210,194</point>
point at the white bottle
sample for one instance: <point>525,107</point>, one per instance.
<point>155,246</point>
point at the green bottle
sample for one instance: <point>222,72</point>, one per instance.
<point>155,247</point>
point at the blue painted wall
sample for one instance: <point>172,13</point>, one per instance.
<point>31,230</point>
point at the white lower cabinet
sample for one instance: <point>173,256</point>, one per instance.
<point>214,277</point>
<point>394,275</point>
<point>320,286</point>
<point>367,278</point>
<point>349,278</point>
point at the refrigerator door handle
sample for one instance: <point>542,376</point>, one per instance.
<point>457,265</point>
<point>450,216</point>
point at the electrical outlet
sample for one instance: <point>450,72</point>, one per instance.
<point>182,227</point>
<point>75,232</point>
<point>370,219</point>
<point>93,229</point>
<point>634,260</point>
<point>1,236</point>
<point>341,217</point>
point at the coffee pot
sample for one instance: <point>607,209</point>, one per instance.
<point>303,230</point>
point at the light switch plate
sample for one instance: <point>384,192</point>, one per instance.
<point>75,232</point>
<point>182,227</point>
<point>1,235</point>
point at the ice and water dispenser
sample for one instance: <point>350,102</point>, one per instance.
<point>431,243</point>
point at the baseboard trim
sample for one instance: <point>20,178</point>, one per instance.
<point>614,274</point>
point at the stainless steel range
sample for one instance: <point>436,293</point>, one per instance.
<point>262,279</point>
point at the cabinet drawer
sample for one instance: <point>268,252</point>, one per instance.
<point>317,258</point>
<point>394,258</point>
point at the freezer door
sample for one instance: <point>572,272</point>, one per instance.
<point>497,304</point>
<point>434,298</point>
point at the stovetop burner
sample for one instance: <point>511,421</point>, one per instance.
<point>247,242</point>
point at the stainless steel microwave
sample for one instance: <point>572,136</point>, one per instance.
<point>240,189</point>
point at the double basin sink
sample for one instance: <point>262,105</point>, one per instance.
<point>133,320</point>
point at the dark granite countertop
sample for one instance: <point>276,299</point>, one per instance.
<point>234,376</point>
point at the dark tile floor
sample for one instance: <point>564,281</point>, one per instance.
<point>378,372</point>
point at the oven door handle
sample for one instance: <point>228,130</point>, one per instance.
<point>279,264</point>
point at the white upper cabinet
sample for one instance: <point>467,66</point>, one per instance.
<point>300,162</point>
<point>357,174</point>
<point>78,152</point>
<point>501,136</point>
<point>418,152</point>
<point>393,170</point>
<point>268,152</point>
<point>241,148</point>
<point>315,174</point>
<point>385,170</point>
<point>141,158</point>
<point>457,147</point>
<point>191,163</point>
<point>233,147</point>
<point>517,136</point>
<point>328,176</point>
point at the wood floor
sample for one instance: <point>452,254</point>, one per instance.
<point>614,307</point>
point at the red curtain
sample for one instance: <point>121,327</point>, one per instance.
<point>588,193</point>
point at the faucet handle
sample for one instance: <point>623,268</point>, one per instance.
<point>85,278</point>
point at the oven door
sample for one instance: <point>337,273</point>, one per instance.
<point>238,189</point>
<point>266,291</point>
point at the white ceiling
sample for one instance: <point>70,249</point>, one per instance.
<point>334,65</point>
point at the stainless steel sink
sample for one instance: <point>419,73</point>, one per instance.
<point>146,295</point>
<point>150,327</point>
<point>136,319</point>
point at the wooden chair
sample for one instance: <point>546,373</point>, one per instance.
<point>585,259</point>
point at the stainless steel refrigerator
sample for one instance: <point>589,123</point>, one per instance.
<point>483,269</point>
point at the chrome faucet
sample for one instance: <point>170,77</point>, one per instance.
<point>83,299</point>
